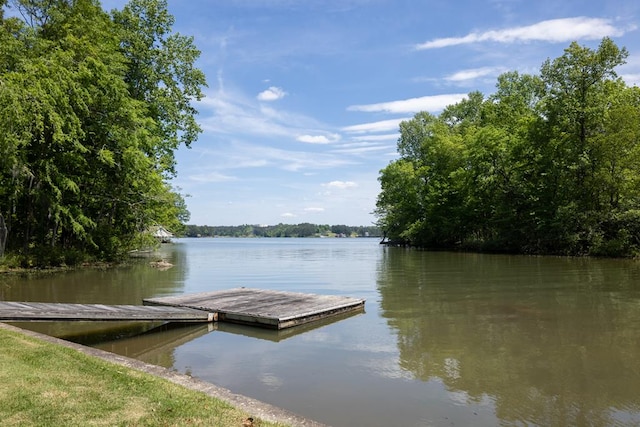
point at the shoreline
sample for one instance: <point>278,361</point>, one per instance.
<point>255,407</point>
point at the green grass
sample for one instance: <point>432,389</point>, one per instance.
<point>44,384</point>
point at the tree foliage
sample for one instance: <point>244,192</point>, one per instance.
<point>84,158</point>
<point>547,164</point>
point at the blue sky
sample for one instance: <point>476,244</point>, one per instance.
<point>305,97</point>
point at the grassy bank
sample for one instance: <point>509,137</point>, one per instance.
<point>44,384</point>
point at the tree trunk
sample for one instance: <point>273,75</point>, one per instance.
<point>3,235</point>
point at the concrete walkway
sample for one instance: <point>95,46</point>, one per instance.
<point>254,407</point>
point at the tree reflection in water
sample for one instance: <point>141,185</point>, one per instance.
<point>552,341</point>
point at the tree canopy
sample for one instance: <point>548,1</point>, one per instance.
<point>549,163</point>
<point>92,108</point>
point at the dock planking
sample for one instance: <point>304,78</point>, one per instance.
<point>38,311</point>
<point>264,308</point>
<point>256,307</point>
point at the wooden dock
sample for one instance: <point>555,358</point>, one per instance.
<point>264,308</point>
<point>38,311</point>
<point>268,309</point>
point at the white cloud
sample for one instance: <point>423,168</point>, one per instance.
<point>273,93</point>
<point>384,137</point>
<point>237,155</point>
<point>631,79</point>
<point>359,143</point>
<point>355,150</point>
<point>474,73</point>
<point>288,215</point>
<point>230,112</point>
<point>290,160</point>
<point>212,177</point>
<point>314,210</point>
<point>381,126</point>
<point>342,185</point>
<point>553,30</point>
<point>319,139</point>
<point>630,71</point>
<point>431,103</point>
<point>232,115</point>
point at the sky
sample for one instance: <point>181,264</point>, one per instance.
<point>305,97</point>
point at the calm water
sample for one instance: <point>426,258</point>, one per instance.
<point>447,339</point>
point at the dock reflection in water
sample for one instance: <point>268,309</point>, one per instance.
<point>157,345</point>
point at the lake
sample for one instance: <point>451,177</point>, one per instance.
<point>446,338</point>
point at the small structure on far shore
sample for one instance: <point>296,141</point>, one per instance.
<point>161,233</point>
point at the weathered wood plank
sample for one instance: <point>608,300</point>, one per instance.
<point>272,309</point>
<point>34,311</point>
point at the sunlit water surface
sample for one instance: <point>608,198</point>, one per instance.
<point>447,339</point>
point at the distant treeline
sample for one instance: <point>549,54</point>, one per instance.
<point>283,230</point>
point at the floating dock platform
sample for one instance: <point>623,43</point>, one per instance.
<point>256,307</point>
<point>264,308</point>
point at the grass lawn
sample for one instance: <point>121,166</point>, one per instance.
<point>44,384</point>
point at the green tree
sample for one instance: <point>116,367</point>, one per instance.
<point>547,164</point>
<point>397,205</point>
<point>420,194</point>
<point>575,104</point>
<point>52,88</point>
<point>85,165</point>
<point>161,72</point>
<point>500,174</point>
